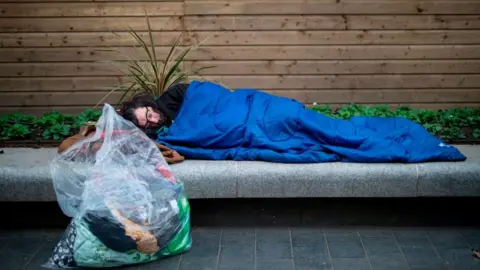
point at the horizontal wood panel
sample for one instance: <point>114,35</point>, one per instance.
<point>358,52</point>
<point>338,67</point>
<point>216,23</point>
<point>338,37</point>
<point>245,38</point>
<point>91,9</point>
<point>41,110</point>
<point>304,96</point>
<point>256,68</point>
<point>89,24</point>
<point>351,81</point>
<point>338,7</point>
<point>259,82</point>
<point>381,96</point>
<point>74,1</point>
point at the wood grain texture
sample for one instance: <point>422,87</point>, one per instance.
<point>293,67</point>
<point>258,38</point>
<point>242,23</point>
<point>420,52</point>
<point>304,96</point>
<point>244,53</point>
<point>330,7</point>
<point>265,82</point>
<point>90,9</point>
<point>89,24</point>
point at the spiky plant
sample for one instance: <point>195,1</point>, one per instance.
<point>152,76</point>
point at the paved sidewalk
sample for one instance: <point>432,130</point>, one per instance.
<point>284,248</point>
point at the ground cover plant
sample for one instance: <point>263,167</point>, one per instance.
<point>449,124</point>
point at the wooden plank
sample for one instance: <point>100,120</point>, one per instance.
<point>91,9</point>
<point>89,24</point>
<point>103,39</point>
<point>41,110</point>
<point>352,22</point>
<point>411,22</point>
<point>360,52</point>
<point>381,96</point>
<point>350,81</point>
<point>336,67</point>
<point>414,37</point>
<point>100,39</point>
<point>338,7</point>
<point>57,98</point>
<point>323,67</point>
<point>74,1</point>
<point>259,82</point>
<point>215,23</point>
<point>304,96</point>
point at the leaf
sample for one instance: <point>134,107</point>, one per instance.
<point>476,133</point>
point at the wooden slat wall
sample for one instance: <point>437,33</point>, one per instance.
<point>424,53</point>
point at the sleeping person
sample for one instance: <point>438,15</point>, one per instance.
<point>204,120</point>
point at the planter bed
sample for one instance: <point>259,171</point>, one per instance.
<point>454,126</point>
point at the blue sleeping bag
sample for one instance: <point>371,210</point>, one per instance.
<point>215,123</point>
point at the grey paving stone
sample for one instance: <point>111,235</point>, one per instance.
<point>447,239</point>
<point>305,261</point>
<point>13,260</point>
<point>472,236</point>
<point>43,254</point>
<point>230,254</point>
<point>459,259</point>
<point>422,256</point>
<point>302,237</point>
<point>24,244</point>
<point>375,232</point>
<point>238,237</point>
<point>237,266</point>
<point>205,242</point>
<point>350,263</point>
<point>381,245</point>
<point>170,263</point>
<point>394,261</point>
<point>3,244</point>
<point>345,244</point>
<point>310,252</point>
<point>273,244</point>
<point>198,263</point>
<point>412,238</point>
<point>271,264</point>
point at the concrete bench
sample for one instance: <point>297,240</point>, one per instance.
<point>25,176</point>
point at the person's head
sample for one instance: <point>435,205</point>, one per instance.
<point>142,111</point>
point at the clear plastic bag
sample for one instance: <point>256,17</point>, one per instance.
<point>125,204</point>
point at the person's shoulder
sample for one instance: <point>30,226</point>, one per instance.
<point>178,87</point>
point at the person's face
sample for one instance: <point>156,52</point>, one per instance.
<point>148,117</point>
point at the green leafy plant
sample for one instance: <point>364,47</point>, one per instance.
<point>152,76</point>
<point>56,132</point>
<point>89,115</point>
<point>452,124</point>
<point>476,133</point>
<point>16,131</point>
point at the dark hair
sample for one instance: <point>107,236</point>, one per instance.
<point>139,101</point>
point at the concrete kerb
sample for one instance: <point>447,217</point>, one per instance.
<point>25,176</point>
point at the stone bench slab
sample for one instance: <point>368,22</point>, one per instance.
<point>25,176</point>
